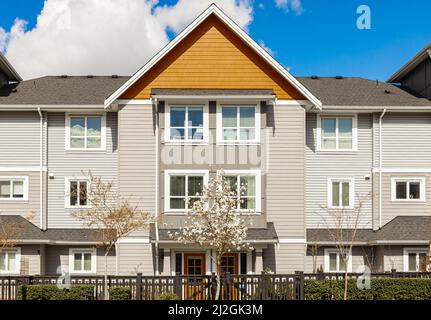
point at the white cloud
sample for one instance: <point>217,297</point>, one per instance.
<point>294,5</point>
<point>102,36</point>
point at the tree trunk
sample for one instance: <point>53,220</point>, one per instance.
<point>346,283</point>
<point>217,297</point>
<point>105,289</point>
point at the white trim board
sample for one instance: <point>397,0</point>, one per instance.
<point>213,9</point>
<point>21,169</point>
<point>403,170</point>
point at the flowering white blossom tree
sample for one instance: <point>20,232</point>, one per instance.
<point>215,222</point>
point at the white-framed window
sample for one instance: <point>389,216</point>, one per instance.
<point>334,261</point>
<point>77,189</point>
<point>82,261</point>
<point>238,123</point>
<point>249,201</point>
<point>10,261</point>
<point>85,132</point>
<point>182,187</point>
<point>337,133</point>
<point>13,189</point>
<point>341,193</point>
<point>186,123</point>
<point>416,259</point>
<point>408,189</point>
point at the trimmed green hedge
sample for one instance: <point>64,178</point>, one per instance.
<point>52,292</point>
<point>381,289</point>
<point>120,293</point>
<point>167,296</point>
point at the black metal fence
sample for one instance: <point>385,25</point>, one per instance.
<point>233,287</point>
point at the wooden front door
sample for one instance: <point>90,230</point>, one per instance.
<point>195,284</point>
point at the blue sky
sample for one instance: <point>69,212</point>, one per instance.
<point>323,39</point>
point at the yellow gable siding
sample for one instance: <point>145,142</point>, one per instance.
<point>212,57</point>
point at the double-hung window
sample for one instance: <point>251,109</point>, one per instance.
<point>238,123</point>
<point>77,193</point>
<point>85,132</point>
<point>186,123</point>
<point>336,261</point>
<point>183,189</point>
<point>337,133</point>
<point>416,260</point>
<point>10,260</point>
<point>340,193</point>
<point>246,187</point>
<point>82,260</point>
<point>13,188</point>
<point>408,189</point>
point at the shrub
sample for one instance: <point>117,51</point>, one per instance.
<point>52,292</point>
<point>120,293</point>
<point>167,296</point>
<point>381,289</point>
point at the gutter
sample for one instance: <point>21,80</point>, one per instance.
<point>42,227</point>
<point>380,166</point>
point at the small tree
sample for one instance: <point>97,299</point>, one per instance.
<point>8,233</point>
<point>215,222</point>
<point>112,216</point>
<point>342,226</point>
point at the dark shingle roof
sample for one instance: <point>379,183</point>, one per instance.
<point>253,234</point>
<point>359,92</point>
<point>55,90</point>
<point>325,235</point>
<point>212,92</point>
<point>23,229</point>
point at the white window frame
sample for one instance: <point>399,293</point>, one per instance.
<point>167,193</point>
<point>73,251</point>
<point>167,135</point>
<point>406,252</point>
<point>336,251</point>
<point>258,180</point>
<point>68,180</point>
<point>25,188</point>
<point>337,116</point>
<point>17,251</point>
<point>422,182</point>
<point>219,126</point>
<point>86,115</point>
<point>351,192</point>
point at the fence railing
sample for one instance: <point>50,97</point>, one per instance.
<point>233,287</point>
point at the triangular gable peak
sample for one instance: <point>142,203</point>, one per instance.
<point>213,53</point>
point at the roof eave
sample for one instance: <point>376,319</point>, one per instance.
<point>10,70</point>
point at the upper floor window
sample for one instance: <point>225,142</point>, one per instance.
<point>77,193</point>
<point>238,123</point>
<point>247,189</point>
<point>13,188</point>
<point>337,261</point>
<point>408,189</point>
<point>85,132</point>
<point>82,260</point>
<point>10,260</point>
<point>340,193</point>
<point>416,260</point>
<point>182,188</point>
<point>337,133</point>
<point>186,123</point>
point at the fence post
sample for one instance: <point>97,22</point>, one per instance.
<point>213,286</point>
<point>178,285</point>
<point>139,286</point>
<point>264,285</point>
<point>299,281</point>
<point>394,273</point>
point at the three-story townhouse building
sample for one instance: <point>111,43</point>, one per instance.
<point>213,100</point>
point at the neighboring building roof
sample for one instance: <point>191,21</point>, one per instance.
<point>214,10</point>
<point>8,69</point>
<point>424,54</point>
<point>267,234</point>
<point>59,90</point>
<point>24,230</point>
<point>402,229</point>
<point>334,91</point>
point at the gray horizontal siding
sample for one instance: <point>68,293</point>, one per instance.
<point>64,163</point>
<point>134,258</point>
<point>322,165</point>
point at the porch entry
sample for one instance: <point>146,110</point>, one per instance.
<point>197,264</point>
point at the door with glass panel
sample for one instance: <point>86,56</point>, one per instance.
<point>195,269</point>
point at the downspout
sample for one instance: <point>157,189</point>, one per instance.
<point>41,168</point>
<point>156,198</point>
<point>380,166</point>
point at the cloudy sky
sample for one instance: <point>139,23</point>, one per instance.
<point>118,36</point>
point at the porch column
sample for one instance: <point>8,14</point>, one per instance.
<point>259,261</point>
<point>166,262</point>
